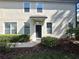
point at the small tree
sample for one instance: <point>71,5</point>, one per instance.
<point>72,31</point>
<point>69,32</point>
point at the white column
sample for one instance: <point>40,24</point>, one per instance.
<point>32,31</point>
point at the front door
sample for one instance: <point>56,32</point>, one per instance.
<point>38,31</point>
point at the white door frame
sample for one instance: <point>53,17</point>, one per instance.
<point>37,23</point>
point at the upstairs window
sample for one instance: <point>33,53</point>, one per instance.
<point>39,7</point>
<point>77,7</point>
<point>27,7</point>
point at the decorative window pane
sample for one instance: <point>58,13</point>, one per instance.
<point>7,28</point>
<point>77,8</point>
<point>49,28</point>
<point>14,29</point>
<point>7,31</point>
<point>26,6</point>
<point>10,28</point>
<point>78,24</point>
<point>77,5</point>
<point>39,7</point>
<point>27,28</point>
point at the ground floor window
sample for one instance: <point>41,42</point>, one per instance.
<point>10,28</point>
<point>26,28</point>
<point>78,24</point>
<point>49,28</point>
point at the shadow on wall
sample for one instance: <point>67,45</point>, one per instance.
<point>21,30</point>
<point>60,21</point>
<point>32,28</point>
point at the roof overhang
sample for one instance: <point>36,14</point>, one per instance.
<point>38,18</point>
<point>68,1</point>
<point>42,0</point>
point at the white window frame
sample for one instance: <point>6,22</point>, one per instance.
<point>11,27</point>
<point>25,7</point>
<point>24,28</point>
<point>47,28</point>
<point>37,6</point>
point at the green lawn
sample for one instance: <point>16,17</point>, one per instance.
<point>48,55</point>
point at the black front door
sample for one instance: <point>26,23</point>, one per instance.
<point>38,31</point>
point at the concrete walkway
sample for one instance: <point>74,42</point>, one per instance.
<point>25,44</point>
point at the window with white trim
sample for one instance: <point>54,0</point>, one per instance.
<point>27,7</point>
<point>49,28</point>
<point>11,28</point>
<point>40,7</point>
<point>26,28</point>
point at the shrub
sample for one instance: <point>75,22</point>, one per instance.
<point>76,31</point>
<point>6,39</point>
<point>5,48</point>
<point>49,41</point>
<point>73,31</point>
<point>23,38</point>
<point>14,38</point>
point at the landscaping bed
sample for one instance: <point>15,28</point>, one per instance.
<point>39,52</point>
<point>49,48</point>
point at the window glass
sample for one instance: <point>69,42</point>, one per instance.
<point>49,28</point>
<point>26,6</point>
<point>77,11</point>
<point>14,29</point>
<point>10,28</point>
<point>78,24</point>
<point>27,28</point>
<point>39,7</point>
<point>77,7</point>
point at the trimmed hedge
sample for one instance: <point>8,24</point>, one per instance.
<point>49,41</point>
<point>14,38</point>
<point>7,38</point>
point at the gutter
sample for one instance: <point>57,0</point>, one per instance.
<point>62,1</point>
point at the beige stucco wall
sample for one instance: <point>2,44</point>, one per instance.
<point>60,14</point>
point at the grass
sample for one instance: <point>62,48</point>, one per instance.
<point>47,55</point>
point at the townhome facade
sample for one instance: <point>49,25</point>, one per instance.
<point>37,18</point>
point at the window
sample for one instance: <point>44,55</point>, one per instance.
<point>39,7</point>
<point>70,25</point>
<point>49,28</point>
<point>10,28</point>
<point>26,6</point>
<point>77,7</point>
<point>26,28</point>
<point>77,11</point>
<point>78,24</point>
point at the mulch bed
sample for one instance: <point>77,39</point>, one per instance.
<point>66,46</point>
<point>24,51</point>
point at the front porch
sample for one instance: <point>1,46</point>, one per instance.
<point>36,27</point>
